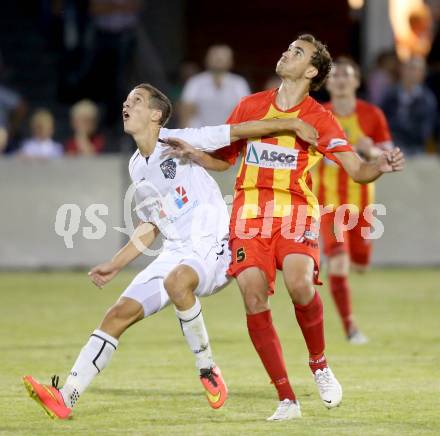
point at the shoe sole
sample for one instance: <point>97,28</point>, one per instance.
<point>36,398</point>
<point>331,406</point>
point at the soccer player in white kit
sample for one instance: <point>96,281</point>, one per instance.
<point>179,199</point>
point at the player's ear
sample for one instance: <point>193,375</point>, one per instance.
<point>156,115</point>
<point>311,72</point>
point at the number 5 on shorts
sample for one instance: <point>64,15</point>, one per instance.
<point>240,255</point>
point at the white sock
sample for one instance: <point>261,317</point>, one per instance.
<point>92,359</point>
<point>194,330</point>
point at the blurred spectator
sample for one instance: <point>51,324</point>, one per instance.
<point>115,23</point>
<point>383,75</point>
<point>272,82</point>
<point>84,123</point>
<point>410,108</point>
<point>12,112</point>
<point>40,144</point>
<point>209,97</point>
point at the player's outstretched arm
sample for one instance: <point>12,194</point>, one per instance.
<point>254,129</point>
<point>212,138</point>
<point>142,237</point>
<point>183,150</point>
<point>365,172</point>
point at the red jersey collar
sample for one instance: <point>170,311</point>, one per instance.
<point>305,102</point>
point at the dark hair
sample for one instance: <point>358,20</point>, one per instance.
<point>345,61</point>
<point>159,101</point>
<point>321,60</point>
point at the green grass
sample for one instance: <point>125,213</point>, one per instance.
<point>391,386</point>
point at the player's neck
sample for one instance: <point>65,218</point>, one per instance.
<point>146,141</point>
<point>344,106</point>
<point>291,94</point>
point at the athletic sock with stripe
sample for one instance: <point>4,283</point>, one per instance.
<point>194,330</point>
<point>92,359</point>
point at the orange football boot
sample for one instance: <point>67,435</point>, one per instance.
<point>215,386</point>
<point>48,397</point>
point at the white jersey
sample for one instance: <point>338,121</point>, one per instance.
<point>213,103</point>
<point>179,196</point>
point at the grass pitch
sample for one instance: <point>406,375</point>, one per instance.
<point>391,386</point>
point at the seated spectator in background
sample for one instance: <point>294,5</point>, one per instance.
<point>84,123</point>
<point>40,144</point>
<point>12,112</point>
<point>209,97</point>
<point>383,76</point>
<point>410,108</point>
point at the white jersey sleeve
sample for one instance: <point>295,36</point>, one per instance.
<point>141,211</point>
<point>209,138</point>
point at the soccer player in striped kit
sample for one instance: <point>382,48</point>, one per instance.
<point>275,215</point>
<point>367,130</point>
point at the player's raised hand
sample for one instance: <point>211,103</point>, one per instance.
<point>390,161</point>
<point>178,148</point>
<point>306,132</point>
<point>103,273</point>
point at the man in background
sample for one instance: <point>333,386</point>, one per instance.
<point>367,130</point>
<point>209,97</point>
<point>411,108</point>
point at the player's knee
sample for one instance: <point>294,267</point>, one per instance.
<point>301,289</point>
<point>255,302</point>
<point>178,286</point>
<point>359,268</point>
<point>339,264</point>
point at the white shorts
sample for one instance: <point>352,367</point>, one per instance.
<point>147,287</point>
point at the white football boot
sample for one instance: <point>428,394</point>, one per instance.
<point>329,388</point>
<point>357,338</point>
<point>287,409</point>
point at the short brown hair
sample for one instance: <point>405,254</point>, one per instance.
<point>344,61</point>
<point>159,101</point>
<point>321,60</point>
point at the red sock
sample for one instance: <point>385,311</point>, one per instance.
<point>341,294</point>
<point>310,319</point>
<point>266,342</point>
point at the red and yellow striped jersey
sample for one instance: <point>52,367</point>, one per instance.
<point>275,170</point>
<point>332,184</point>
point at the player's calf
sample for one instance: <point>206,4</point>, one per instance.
<point>124,313</point>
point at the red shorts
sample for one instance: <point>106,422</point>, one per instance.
<point>350,241</point>
<point>269,246</point>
